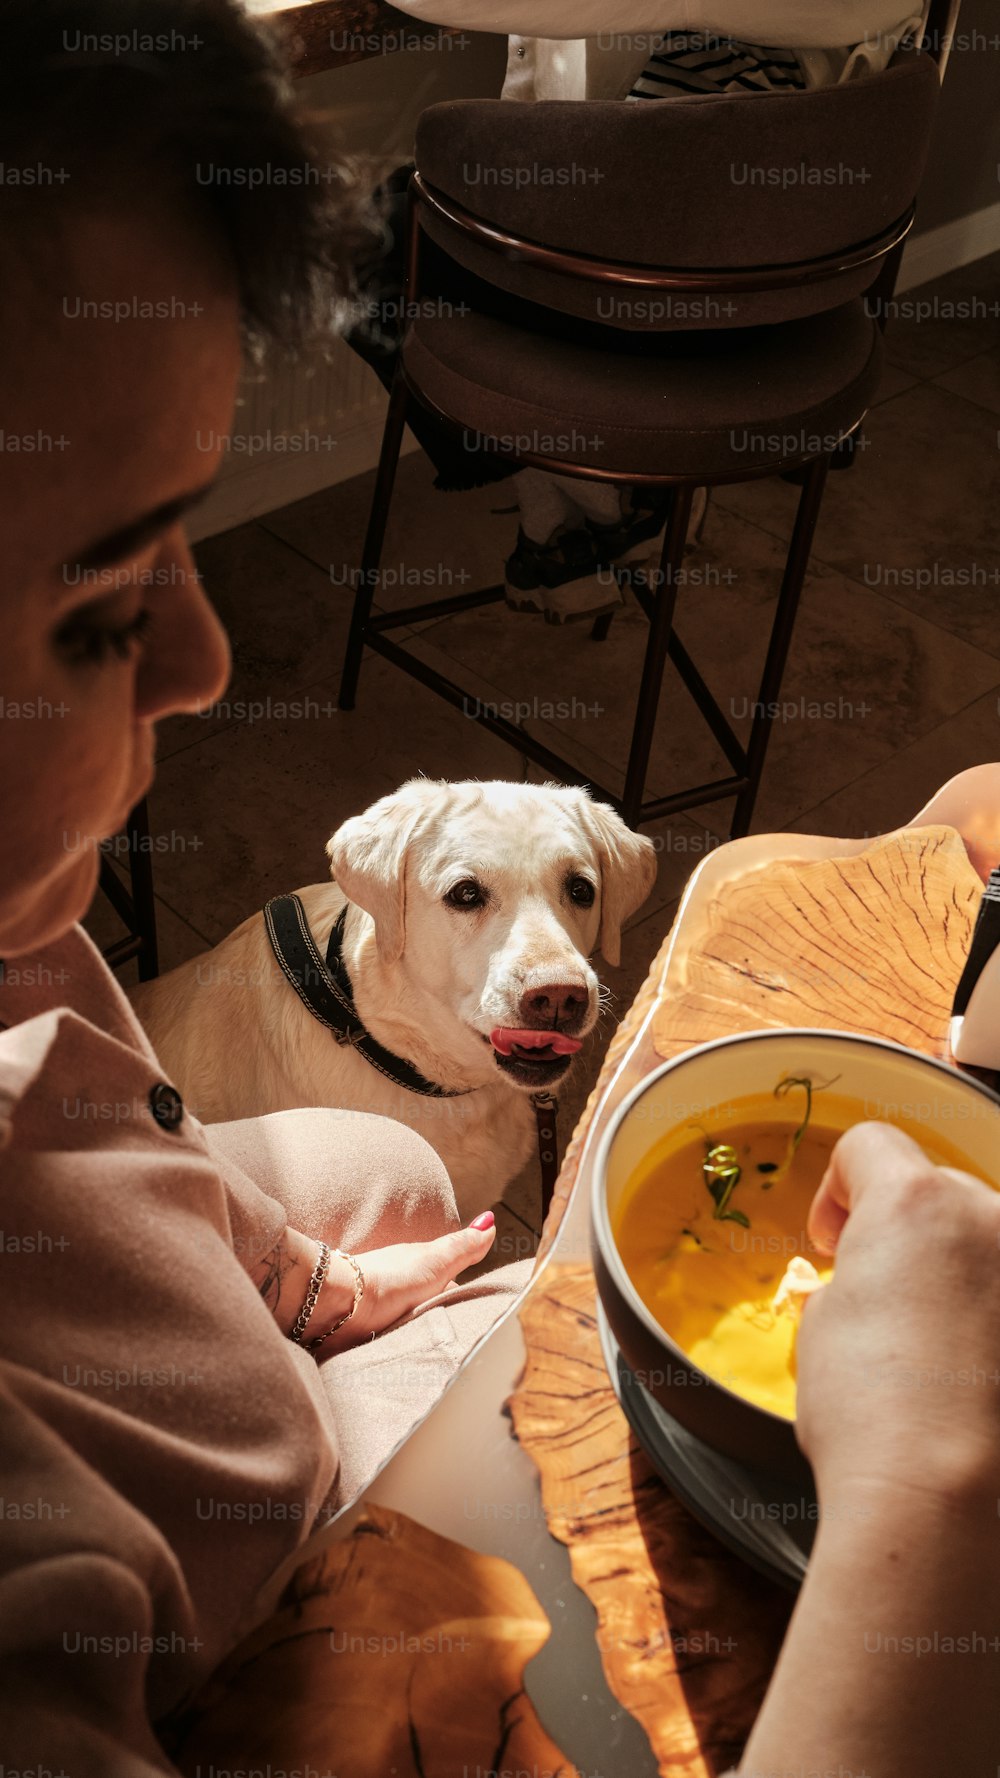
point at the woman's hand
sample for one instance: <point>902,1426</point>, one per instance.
<point>890,1661</point>
<point>899,1356</point>
<point>397,1279</point>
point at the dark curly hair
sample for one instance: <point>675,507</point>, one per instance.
<point>100,91</point>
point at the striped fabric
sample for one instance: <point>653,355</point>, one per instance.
<point>684,62</point>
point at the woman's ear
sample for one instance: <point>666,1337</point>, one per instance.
<point>368,860</point>
<point>628,871</point>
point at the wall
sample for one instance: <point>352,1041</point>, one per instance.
<point>958,214</point>
<point>962,172</point>
<point>330,406</point>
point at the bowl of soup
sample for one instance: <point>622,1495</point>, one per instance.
<point>702,1186</point>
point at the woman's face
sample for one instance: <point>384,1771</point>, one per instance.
<point>111,425</point>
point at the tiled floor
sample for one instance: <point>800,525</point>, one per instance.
<point>899,638</point>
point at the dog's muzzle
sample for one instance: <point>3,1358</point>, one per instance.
<point>532,1058</point>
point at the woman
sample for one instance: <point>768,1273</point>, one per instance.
<point>172,1425</point>
<point>166,1443</point>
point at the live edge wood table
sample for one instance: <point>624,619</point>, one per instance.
<point>322,34</point>
<point>616,1638</point>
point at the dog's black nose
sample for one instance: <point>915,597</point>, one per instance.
<point>555,1003</point>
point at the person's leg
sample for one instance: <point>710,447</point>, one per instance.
<point>554,568</point>
<point>361,1182</point>
<point>345,1177</point>
<point>575,537</point>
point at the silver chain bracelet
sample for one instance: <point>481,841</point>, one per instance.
<point>320,1270</point>
<point>359,1291</point>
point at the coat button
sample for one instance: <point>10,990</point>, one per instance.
<point>166,1105</point>
<point>520,49</point>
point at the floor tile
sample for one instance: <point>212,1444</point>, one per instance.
<point>419,560</point>
<point>978,379</point>
<point>864,676</point>
<point>892,383</point>
<point>940,323</point>
<point>514,1241</point>
<point>896,790</point>
<point>917,518</point>
<point>256,804</point>
<point>287,628</point>
<point>551,670</point>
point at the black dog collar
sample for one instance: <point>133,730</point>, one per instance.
<point>325,988</point>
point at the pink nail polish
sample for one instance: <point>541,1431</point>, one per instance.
<point>485,1221</point>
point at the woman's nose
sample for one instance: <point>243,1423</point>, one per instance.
<point>185,665</point>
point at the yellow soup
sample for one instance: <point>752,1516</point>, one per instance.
<point>711,1282</point>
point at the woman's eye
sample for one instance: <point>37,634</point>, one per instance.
<point>88,640</point>
<point>467,894</point>
<point>581,891</point>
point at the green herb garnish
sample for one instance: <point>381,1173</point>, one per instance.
<point>783,1087</point>
<point>721,1168</point>
<point>721,1172</point>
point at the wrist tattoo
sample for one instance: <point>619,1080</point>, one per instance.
<point>278,1264</point>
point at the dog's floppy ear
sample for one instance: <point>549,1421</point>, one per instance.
<point>628,871</point>
<point>368,860</point>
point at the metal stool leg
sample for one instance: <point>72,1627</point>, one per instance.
<point>136,905</point>
<point>660,627</point>
<point>143,898</point>
<point>602,625</point>
<point>371,555</point>
<point>796,563</point>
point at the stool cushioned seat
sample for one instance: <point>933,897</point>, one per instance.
<point>720,405</point>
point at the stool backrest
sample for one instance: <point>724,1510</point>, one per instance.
<point>762,207</point>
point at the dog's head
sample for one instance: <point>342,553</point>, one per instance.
<point>488,900</point>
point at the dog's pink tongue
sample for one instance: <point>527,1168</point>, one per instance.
<point>505,1040</point>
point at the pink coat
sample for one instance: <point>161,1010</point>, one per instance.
<point>164,1447</point>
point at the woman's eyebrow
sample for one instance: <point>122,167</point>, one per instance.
<point>118,545</point>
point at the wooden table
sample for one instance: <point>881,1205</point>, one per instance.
<point>322,34</point>
<point>463,1476</point>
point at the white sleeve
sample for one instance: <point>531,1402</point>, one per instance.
<point>791,24</point>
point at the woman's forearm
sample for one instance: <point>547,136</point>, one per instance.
<point>282,1279</point>
<point>891,1666</point>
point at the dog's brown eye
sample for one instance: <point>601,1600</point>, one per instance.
<point>582,891</point>
<point>467,894</point>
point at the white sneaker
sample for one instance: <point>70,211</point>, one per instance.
<point>563,579</point>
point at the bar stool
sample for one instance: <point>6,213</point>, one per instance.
<point>730,241</point>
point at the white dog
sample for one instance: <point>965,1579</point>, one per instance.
<point>463,916</point>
